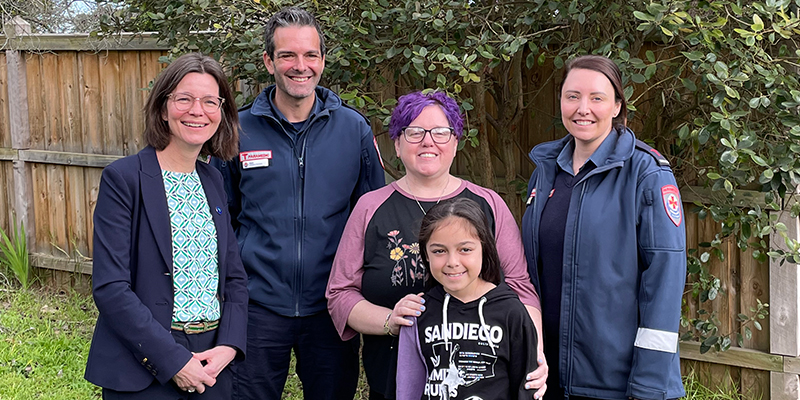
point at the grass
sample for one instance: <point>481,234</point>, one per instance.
<point>44,342</point>
<point>695,390</point>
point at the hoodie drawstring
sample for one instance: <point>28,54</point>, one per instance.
<point>446,330</point>
<point>484,326</point>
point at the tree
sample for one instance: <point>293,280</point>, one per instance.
<point>55,16</point>
<point>712,83</point>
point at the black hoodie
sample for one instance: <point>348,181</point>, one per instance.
<point>480,350</point>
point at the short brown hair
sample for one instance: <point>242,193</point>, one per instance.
<point>225,142</point>
<point>605,66</point>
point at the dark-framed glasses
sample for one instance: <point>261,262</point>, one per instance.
<point>415,134</point>
<point>185,101</point>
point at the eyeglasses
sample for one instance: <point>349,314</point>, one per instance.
<point>185,101</point>
<point>415,134</point>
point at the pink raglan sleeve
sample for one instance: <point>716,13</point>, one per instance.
<point>411,370</point>
<point>344,284</point>
<point>509,248</point>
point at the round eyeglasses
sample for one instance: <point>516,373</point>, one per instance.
<point>415,134</point>
<point>185,101</point>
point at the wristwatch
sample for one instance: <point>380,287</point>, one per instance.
<point>386,329</point>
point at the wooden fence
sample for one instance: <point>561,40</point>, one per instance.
<point>67,110</point>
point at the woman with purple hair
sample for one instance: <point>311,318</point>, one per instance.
<point>377,275</point>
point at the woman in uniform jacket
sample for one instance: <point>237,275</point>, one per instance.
<point>605,242</point>
<point>167,279</point>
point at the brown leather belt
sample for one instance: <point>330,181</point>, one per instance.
<point>191,328</point>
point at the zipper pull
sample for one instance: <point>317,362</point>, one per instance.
<point>302,168</point>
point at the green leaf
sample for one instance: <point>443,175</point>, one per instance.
<point>689,84</point>
<point>466,105</point>
<point>650,56</point>
<point>650,71</point>
<point>754,102</point>
<point>666,31</point>
<point>642,16</point>
<point>758,24</point>
<point>638,78</point>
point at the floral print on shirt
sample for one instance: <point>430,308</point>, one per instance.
<point>408,266</point>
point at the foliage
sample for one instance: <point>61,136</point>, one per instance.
<point>697,390</point>
<point>711,83</point>
<point>14,251</point>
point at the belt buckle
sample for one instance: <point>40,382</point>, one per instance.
<point>187,326</point>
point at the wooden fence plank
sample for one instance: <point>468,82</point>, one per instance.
<point>36,102</point>
<point>69,94</point>
<point>42,207</point>
<point>113,128</point>
<point>784,386</point>
<point>5,118</point>
<point>56,187</point>
<point>54,130</point>
<point>132,119</point>
<point>755,384</point>
<point>738,357</point>
<point>756,282</point>
<point>77,233</point>
<point>92,183</point>
<point>91,106</point>
<point>783,292</point>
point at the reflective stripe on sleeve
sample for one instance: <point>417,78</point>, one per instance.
<point>654,339</point>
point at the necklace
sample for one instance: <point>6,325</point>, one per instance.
<point>408,186</point>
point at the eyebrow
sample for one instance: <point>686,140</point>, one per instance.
<point>578,91</point>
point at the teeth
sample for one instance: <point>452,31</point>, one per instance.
<point>428,155</point>
<point>194,125</point>
<point>583,123</point>
<point>299,79</point>
<point>456,275</point>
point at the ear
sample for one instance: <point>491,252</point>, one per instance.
<point>268,63</point>
<point>397,146</point>
<point>618,108</point>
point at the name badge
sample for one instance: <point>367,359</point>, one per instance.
<point>255,159</point>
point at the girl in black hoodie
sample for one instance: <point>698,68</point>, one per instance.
<point>482,343</point>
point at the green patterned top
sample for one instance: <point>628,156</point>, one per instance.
<point>194,249</point>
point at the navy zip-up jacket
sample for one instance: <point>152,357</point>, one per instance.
<point>292,193</point>
<point>623,272</point>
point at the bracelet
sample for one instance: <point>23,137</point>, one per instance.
<point>386,329</point>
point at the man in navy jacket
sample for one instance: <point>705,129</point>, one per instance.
<point>304,159</point>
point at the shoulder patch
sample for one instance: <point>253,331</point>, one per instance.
<point>660,159</point>
<point>671,198</point>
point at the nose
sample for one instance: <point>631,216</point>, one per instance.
<point>583,106</point>
<point>197,107</point>
<point>300,64</point>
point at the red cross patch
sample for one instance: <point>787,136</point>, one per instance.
<point>672,203</point>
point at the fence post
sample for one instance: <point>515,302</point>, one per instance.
<point>20,127</point>
<point>784,311</point>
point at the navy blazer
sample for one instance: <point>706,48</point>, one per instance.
<point>132,276</point>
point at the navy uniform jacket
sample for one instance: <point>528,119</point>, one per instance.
<point>291,195</point>
<point>132,276</point>
<point>623,272</point>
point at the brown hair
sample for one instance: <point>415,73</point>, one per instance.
<point>605,66</point>
<point>225,142</point>
<point>461,210</point>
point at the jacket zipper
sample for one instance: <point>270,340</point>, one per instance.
<point>301,166</point>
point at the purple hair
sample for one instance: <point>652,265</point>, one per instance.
<point>409,107</point>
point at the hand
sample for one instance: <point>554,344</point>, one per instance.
<point>410,305</point>
<point>538,378</point>
<point>192,377</point>
<point>216,358</point>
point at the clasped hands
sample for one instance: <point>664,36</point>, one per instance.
<point>203,368</point>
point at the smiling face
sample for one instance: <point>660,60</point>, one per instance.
<point>455,256</point>
<point>191,128</point>
<point>588,107</point>
<point>297,64</point>
<point>427,160</point>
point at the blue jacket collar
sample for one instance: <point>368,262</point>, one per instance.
<point>326,101</point>
<point>611,153</point>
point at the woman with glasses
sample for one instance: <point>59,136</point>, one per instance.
<point>167,279</point>
<point>377,275</point>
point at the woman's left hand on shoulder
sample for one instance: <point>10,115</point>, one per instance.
<point>216,359</point>
<point>538,378</point>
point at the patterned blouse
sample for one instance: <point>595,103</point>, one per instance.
<point>194,249</point>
